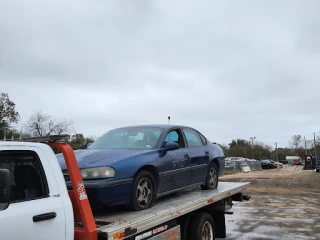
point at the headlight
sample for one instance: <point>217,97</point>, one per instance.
<point>97,173</point>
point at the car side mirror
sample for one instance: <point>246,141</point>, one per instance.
<point>169,146</point>
<point>5,188</point>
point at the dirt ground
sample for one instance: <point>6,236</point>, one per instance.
<point>284,204</point>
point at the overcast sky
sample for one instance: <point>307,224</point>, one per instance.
<point>231,69</point>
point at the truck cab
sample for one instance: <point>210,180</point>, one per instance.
<point>36,204</point>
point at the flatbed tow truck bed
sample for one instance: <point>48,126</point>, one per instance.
<point>167,208</point>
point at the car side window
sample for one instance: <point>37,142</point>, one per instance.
<point>192,137</point>
<point>203,139</point>
<point>175,136</point>
<point>28,180</point>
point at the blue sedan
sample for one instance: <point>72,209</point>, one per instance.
<point>135,165</point>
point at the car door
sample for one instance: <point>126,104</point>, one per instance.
<point>36,210</point>
<point>176,171</point>
<point>199,155</point>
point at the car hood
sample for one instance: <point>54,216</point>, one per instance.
<point>87,158</point>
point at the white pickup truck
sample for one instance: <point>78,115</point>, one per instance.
<point>35,203</point>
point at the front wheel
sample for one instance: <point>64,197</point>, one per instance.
<point>212,178</point>
<point>143,191</point>
<point>201,227</point>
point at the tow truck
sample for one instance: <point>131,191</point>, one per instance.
<point>60,213</point>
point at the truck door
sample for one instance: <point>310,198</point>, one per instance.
<point>36,210</point>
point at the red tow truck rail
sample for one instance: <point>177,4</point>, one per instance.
<point>78,195</point>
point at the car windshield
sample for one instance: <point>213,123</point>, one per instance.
<point>129,138</point>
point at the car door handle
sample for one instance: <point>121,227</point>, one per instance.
<point>44,217</point>
<point>207,153</point>
<point>187,155</point>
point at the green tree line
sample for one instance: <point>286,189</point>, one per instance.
<point>259,150</point>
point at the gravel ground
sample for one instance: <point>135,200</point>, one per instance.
<point>284,204</point>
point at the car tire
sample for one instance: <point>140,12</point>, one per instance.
<point>212,178</point>
<point>143,192</point>
<point>201,227</point>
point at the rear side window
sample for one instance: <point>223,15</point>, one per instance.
<point>28,180</point>
<point>203,139</point>
<point>192,137</point>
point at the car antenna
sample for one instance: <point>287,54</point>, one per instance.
<point>169,120</point>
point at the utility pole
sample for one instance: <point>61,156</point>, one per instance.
<point>277,151</point>
<point>252,138</point>
<point>305,145</point>
<point>315,147</point>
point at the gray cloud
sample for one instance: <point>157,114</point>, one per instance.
<point>230,69</point>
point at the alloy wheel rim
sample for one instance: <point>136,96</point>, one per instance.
<point>212,177</point>
<point>144,192</point>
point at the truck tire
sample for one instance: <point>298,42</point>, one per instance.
<point>212,178</point>
<point>143,192</point>
<point>201,227</point>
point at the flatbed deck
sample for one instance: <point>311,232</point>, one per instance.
<point>117,220</point>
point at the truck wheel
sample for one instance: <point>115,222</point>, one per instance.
<point>201,227</point>
<point>143,191</point>
<point>212,178</point>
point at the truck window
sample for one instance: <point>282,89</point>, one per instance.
<point>28,180</point>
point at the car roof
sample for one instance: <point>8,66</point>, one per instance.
<point>165,126</point>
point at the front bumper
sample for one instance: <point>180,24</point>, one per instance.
<point>107,193</point>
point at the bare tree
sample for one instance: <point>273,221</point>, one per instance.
<point>296,141</point>
<point>41,124</point>
<point>309,144</point>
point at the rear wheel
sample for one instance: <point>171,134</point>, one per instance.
<point>201,227</point>
<point>212,179</point>
<point>143,191</point>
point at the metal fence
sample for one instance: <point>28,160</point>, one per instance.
<point>235,164</point>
